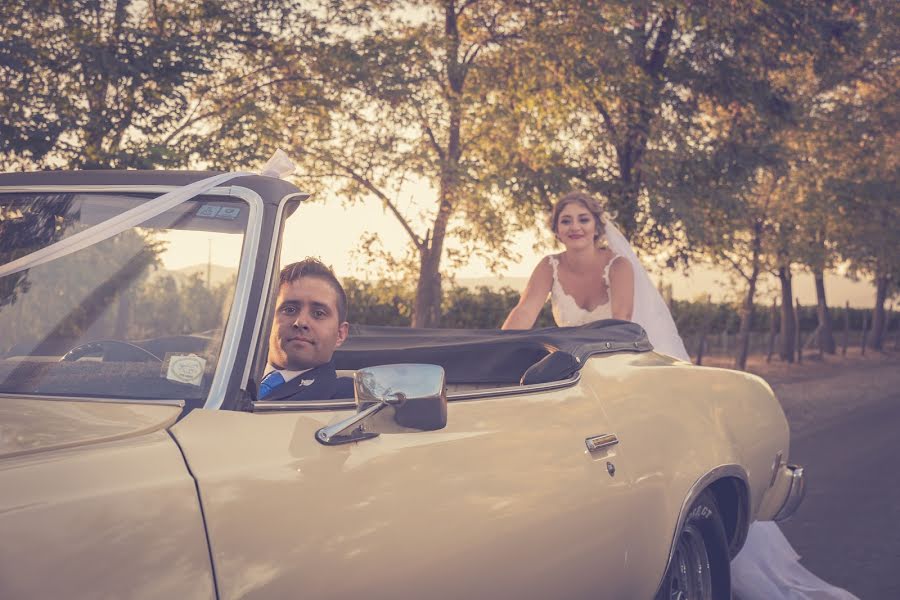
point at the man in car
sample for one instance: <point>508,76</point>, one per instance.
<point>310,322</point>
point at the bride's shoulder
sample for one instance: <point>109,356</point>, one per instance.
<point>617,267</point>
<point>551,260</point>
<point>546,266</point>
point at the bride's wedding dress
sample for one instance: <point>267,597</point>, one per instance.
<point>767,567</point>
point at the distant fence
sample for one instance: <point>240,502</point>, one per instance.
<point>724,343</point>
<point>375,303</point>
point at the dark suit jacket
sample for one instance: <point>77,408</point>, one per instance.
<point>322,384</point>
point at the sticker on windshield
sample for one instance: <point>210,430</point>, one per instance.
<point>184,368</point>
<point>212,211</point>
<point>228,212</point>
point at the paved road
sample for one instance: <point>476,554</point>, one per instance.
<point>848,528</point>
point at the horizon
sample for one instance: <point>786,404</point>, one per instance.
<point>839,289</point>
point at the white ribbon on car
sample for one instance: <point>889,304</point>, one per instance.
<point>278,166</point>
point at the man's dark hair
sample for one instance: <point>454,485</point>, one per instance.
<point>313,267</point>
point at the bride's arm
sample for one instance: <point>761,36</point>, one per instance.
<point>533,298</point>
<point>621,286</point>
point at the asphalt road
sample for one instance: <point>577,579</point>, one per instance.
<point>847,530</point>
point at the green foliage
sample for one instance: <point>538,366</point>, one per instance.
<point>166,306</point>
<point>122,83</point>
<point>384,303</point>
<point>387,303</point>
<point>484,308</point>
<point>378,303</point>
<point>66,298</point>
<point>32,222</point>
<point>758,134</point>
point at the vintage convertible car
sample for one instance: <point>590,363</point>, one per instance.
<point>135,461</point>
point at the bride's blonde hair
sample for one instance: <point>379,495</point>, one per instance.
<point>593,206</point>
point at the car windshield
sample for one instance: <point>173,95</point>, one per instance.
<point>139,315</point>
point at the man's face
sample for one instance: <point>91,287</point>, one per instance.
<point>307,328</point>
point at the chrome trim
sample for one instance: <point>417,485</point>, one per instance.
<point>598,442</point>
<point>267,279</point>
<point>243,286</point>
<point>776,464</point>
<point>795,494</point>
<point>237,313</point>
<point>350,429</point>
<point>165,402</point>
<point>396,398</point>
<point>264,406</point>
<point>515,390</point>
<point>713,475</point>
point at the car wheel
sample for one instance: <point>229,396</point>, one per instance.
<point>700,567</point>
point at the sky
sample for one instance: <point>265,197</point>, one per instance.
<point>331,231</point>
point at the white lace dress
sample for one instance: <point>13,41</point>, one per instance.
<point>767,567</point>
<point>566,311</point>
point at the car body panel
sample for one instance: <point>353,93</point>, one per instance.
<point>113,519</point>
<point>286,513</point>
<point>31,425</point>
<point>505,501</point>
<point>680,425</point>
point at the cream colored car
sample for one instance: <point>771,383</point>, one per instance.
<point>135,462</point>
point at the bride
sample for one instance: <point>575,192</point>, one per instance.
<point>767,568</point>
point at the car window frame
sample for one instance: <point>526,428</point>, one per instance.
<point>258,343</point>
<point>243,286</point>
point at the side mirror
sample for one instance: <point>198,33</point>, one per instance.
<point>392,399</point>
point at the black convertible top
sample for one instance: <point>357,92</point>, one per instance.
<point>486,355</point>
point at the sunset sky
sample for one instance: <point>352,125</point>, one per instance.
<point>324,227</point>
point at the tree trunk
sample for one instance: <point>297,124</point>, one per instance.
<point>846,328</point>
<point>876,342</point>
<point>743,341</point>
<point>788,324</point>
<point>427,307</point>
<point>636,134</point>
<point>865,334</point>
<point>773,330</point>
<point>704,330</point>
<point>747,309</point>
<point>826,327</point>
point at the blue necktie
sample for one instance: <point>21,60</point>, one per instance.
<point>269,383</point>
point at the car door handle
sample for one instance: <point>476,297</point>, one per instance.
<point>598,442</point>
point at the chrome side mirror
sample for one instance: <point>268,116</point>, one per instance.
<point>392,399</point>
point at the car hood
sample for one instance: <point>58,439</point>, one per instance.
<point>29,425</point>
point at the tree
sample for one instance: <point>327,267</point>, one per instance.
<point>26,225</point>
<point>119,83</point>
<point>846,48</point>
<point>862,163</point>
<point>631,102</point>
<point>739,232</point>
<point>65,299</point>
<point>615,97</point>
<point>408,82</point>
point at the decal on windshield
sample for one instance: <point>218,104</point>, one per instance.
<point>213,211</point>
<point>184,368</point>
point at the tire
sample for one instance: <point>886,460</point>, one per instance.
<point>700,567</point>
